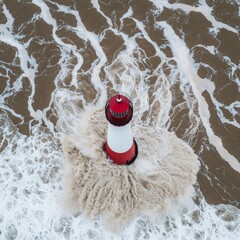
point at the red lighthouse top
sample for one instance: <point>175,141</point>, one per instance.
<point>119,110</point>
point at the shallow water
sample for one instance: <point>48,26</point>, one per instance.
<point>179,62</point>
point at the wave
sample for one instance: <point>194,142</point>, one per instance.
<point>165,169</point>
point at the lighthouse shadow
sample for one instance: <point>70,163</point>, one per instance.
<point>163,172</point>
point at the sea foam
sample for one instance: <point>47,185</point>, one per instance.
<point>164,170</point>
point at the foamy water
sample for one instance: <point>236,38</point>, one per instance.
<point>58,60</point>
<point>163,174</point>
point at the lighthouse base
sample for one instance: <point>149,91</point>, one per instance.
<point>125,158</point>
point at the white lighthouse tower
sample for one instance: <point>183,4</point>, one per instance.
<point>120,146</point>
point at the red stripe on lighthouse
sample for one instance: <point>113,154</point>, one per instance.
<point>121,158</point>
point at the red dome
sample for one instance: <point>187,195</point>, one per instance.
<point>119,110</point>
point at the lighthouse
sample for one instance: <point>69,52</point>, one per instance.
<point>120,146</point>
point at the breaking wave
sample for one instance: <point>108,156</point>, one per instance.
<point>164,170</point>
